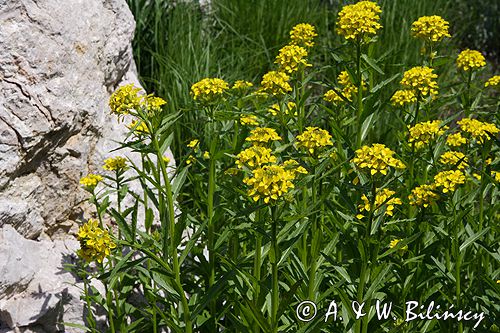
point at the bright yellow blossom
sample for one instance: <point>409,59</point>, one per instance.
<point>455,140</point>
<point>376,159</point>
<point>294,167</point>
<point>255,156</point>
<point>383,197</point>
<point>493,81</point>
<point>359,20</point>
<point>90,181</point>
<point>262,135</point>
<point>452,158</point>
<point>124,99</point>
<point>115,163</point>
<point>269,182</point>
<point>291,58</point>
<point>430,28</point>
<point>422,133</point>
<point>402,97</point>
<point>303,34</point>
<point>423,195</point>
<point>208,89</point>
<point>421,79</point>
<point>496,176</point>
<point>95,243</point>
<point>139,127</point>
<point>479,130</point>
<point>275,83</point>
<point>449,180</point>
<point>314,138</point>
<point>470,59</point>
<point>249,120</point>
<point>193,143</point>
<point>153,104</point>
<point>241,85</point>
<point>290,106</point>
<point>395,243</point>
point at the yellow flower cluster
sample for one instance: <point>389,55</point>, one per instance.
<point>422,133</point>
<point>124,99</point>
<point>454,159</point>
<point>115,163</point>
<point>291,58</point>
<point>496,175</point>
<point>275,83</point>
<point>430,28</point>
<point>241,85</point>
<point>90,181</point>
<point>208,89</point>
<point>269,182</point>
<point>95,243</point>
<point>423,195</point>
<point>294,167</point>
<point>359,20</point>
<point>153,104</point>
<point>348,90</point>
<point>249,120</point>
<point>255,156</point>
<point>402,97</point>
<point>314,138</point>
<point>493,81</point>
<point>421,79</point>
<point>303,34</point>
<point>139,127</point>
<point>290,106</point>
<point>455,140</point>
<point>478,129</point>
<point>383,197</point>
<point>470,59</point>
<point>449,180</point>
<point>193,143</point>
<point>377,159</point>
<point>261,135</point>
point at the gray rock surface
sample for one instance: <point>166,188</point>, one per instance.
<point>59,63</point>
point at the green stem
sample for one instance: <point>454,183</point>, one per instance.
<point>458,259</point>
<point>360,93</point>
<point>90,316</point>
<point>275,257</point>
<point>257,268</point>
<point>109,303</point>
<point>467,107</point>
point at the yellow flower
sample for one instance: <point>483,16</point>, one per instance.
<point>124,99</point>
<point>348,90</point>
<point>255,156</point>
<point>193,143</point>
<point>421,79</point>
<point>249,120</point>
<point>383,197</point>
<point>423,195</point>
<point>115,163</point>
<point>332,97</point>
<point>430,28</point>
<point>493,81</point>
<point>496,176</point>
<point>395,242</point>
<point>166,159</point>
<point>455,140</point>
<point>153,104</point>
<point>470,59</point>
<point>95,243</point>
<point>303,34</point>
<point>294,167</point>
<point>359,20</point>
<point>291,58</point>
<point>422,133</point>
<point>139,127</point>
<point>90,181</point>
<point>452,158</point>
<point>269,182</point>
<point>402,97</point>
<point>449,180</point>
<point>275,83</point>
<point>479,130</point>
<point>314,138</point>
<point>275,109</point>
<point>206,155</point>
<point>241,85</point>
<point>208,89</point>
<point>262,135</point>
<point>190,159</point>
<point>377,158</point>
